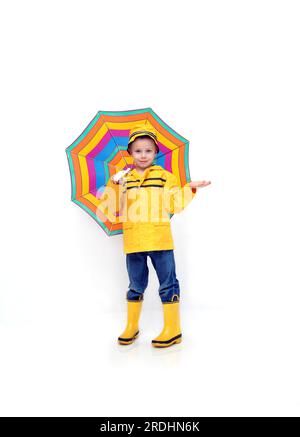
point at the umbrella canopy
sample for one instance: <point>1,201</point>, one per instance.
<point>101,151</point>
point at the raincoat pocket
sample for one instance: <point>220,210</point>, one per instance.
<point>162,234</point>
<point>145,236</point>
<point>127,225</point>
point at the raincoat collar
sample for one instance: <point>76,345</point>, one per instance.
<point>134,172</point>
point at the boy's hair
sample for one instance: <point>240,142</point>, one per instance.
<point>142,136</point>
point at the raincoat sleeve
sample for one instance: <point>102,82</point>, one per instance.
<point>111,201</point>
<point>176,198</point>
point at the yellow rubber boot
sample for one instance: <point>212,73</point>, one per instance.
<point>132,329</point>
<point>171,333</point>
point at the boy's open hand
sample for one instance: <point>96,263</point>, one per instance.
<point>199,184</point>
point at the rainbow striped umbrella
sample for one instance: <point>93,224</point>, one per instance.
<point>100,151</point>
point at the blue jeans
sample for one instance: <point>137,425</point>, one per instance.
<point>164,264</point>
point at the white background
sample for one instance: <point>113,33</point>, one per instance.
<point>225,75</point>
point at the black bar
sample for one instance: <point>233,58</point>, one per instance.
<point>90,426</point>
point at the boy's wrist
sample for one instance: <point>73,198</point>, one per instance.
<point>194,190</point>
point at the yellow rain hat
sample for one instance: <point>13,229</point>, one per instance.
<point>143,129</point>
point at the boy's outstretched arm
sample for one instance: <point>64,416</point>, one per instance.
<point>176,198</point>
<point>199,184</point>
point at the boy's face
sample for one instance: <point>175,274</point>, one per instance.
<point>143,151</point>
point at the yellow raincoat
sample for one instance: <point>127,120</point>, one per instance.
<point>146,202</point>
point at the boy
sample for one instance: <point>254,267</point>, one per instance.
<point>149,194</point>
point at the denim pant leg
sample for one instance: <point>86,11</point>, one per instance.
<point>138,272</point>
<point>164,263</point>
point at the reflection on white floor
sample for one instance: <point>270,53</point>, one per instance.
<point>228,363</point>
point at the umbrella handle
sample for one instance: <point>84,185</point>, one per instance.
<point>119,175</point>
